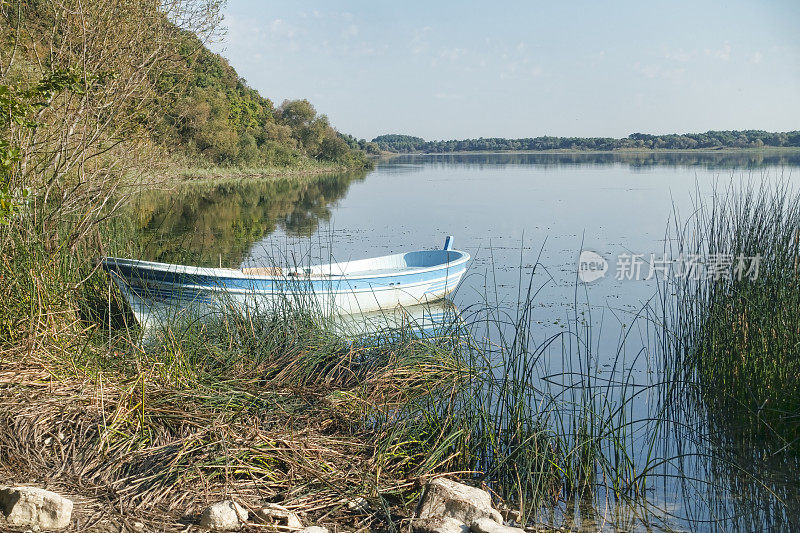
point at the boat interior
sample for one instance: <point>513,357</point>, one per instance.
<point>388,264</point>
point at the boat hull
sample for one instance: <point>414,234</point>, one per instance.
<point>159,292</point>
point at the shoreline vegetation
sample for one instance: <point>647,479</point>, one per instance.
<point>179,174</point>
<point>277,408</point>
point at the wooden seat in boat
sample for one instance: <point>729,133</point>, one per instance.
<point>263,271</point>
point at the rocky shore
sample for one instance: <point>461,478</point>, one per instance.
<point>446,506</point>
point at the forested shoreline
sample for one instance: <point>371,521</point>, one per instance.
<point>218,119</point>
<point>710,140</point>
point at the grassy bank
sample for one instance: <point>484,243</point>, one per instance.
<point>215,173</point>
<point>279,408</point>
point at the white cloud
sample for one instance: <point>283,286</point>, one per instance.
<point>679,54</point>
<point>363,50</point>
<point>452,53</point>
<point>658,72</point>
<point>281,29</point>
<point>419,41</point>
<point>350,31</point>
<point>241,28</point>
<point>755,58</point>
<point>723,53</point>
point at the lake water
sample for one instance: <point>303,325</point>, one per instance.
<point>523,218</point>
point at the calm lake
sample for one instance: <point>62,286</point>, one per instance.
<point>525,219</point>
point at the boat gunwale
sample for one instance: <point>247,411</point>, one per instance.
<point>238,274</point>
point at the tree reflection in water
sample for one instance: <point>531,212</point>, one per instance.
<point>208,223</point>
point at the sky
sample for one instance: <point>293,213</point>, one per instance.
<point>455,70</point>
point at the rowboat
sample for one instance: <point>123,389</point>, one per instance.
<point>161,290</point>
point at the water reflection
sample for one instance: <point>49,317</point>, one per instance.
<point>721,476</point>
<point>208,223</point>
<point>710,160</point>
<point>434,319</point>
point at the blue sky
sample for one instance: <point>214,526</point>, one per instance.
<point>453,70</point>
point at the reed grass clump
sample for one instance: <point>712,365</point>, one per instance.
<point>739,330</point>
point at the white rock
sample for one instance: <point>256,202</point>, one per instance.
<point>34,507</point>
<point>315,529</point>
<point>226,515</point>
<point>487,525</point>
<point>279,515</point>
<point>447,498</point>
<point>438,524</point>
<point>358,504</point>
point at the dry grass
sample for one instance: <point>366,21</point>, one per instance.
<point>161,464</point>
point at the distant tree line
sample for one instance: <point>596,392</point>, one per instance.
<point>707,140</point>
<point>364,145</point>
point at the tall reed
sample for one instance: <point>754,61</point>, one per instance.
<point>738,331</point>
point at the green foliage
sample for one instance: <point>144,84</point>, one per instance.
<point>708,140</point>
<point>10,203</point>
<point>333,147</point>
<point>400,143</point>
<point>369,147</point>
<point>221,120</point>
<point>17,106</point>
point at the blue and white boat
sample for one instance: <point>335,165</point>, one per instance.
<point>161,290</point>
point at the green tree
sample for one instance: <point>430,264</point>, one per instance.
<point>296,113</point>
<point>333,147</point>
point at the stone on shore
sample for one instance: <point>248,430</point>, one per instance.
<point>487,525</point>
<point>226,515</point>
<point>359,504</point>
<point>315,529</point>
<point>438,524</point>
<point>447,498</point>
<point>275,514</point>
<point>35,508</point>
